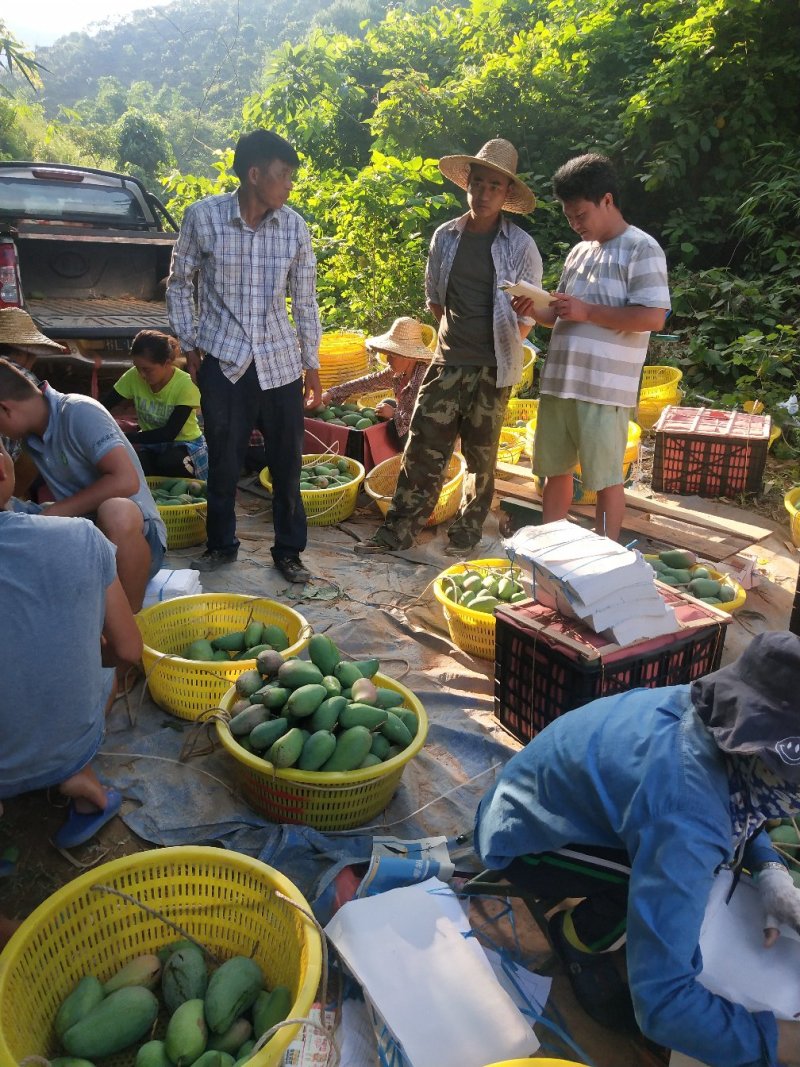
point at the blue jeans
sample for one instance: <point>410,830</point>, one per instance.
<point>231,410</point>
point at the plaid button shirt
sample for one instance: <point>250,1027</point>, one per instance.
<point>244,278</point>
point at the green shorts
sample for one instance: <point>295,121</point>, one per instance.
<point>570,431</point>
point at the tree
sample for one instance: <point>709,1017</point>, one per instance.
<point>142,146</point>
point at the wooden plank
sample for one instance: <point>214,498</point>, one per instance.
<point>750,531</point>
<point>678,533</point>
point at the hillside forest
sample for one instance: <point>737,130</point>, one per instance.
<point>695,102</point>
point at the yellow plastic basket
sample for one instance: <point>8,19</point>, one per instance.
<point>342,356</point>
<point>326,507</point>
<point>187,688</point>
<point>370,400</point>
<point>335,800</point>
<point>659,383</point>
<point>227,901</point>
<point>526,381</point>
<point>519,410</point>
<point>472,631</point>
<point>509,450</point>
<point>381,481</point>
<point>792,504</point>
<point>732,605</point>
<point>185,523</point>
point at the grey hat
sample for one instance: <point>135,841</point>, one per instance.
<point>752,706</point>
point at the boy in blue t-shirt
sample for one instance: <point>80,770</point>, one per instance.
<point>58,576</point>
<point>90,469</point>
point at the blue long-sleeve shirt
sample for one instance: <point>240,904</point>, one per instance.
<point>639,771</point>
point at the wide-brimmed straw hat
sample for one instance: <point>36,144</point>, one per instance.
<point>750,706</point>
<point>403,338</point>
<point>499,155</point>
<point>18,328</point>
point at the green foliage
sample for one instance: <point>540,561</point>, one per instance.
<point>142,147</point>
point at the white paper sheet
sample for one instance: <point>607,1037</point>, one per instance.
<point>433,986</point>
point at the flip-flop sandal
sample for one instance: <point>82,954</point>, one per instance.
<point>81,826</point>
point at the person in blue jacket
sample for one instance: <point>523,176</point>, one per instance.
<point>634,802</point>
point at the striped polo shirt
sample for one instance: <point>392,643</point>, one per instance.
<point>590,362</point>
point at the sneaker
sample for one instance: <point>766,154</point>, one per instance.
<point>596,982</point>
<point>292,569</point>
<point>214,558</point>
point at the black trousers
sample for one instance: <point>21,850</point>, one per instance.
<point>231,410</point>
<point>601,875</point>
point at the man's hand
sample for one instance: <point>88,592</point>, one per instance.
<point>523,306</point>
<point>570,308</point>
<point>312,389</point>
<point>780,900</point>
<point>193,360</point>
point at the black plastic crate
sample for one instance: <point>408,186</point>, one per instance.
<point>708,453</point>
<point>546,664</point>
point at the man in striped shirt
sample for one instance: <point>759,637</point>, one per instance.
<point>250,252</point>
<point>612,293</point>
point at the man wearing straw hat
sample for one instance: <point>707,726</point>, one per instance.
<point>479,350</point>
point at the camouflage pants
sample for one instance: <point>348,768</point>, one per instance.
<point>452,401</point>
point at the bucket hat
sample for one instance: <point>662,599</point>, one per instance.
<point>751,706</point>
<point>18,328</point>
<point>403,338</point>
<point>499,155</point>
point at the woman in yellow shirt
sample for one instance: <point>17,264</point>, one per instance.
<point>169,441</point>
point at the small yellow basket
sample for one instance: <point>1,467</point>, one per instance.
<point>792,504</point>
<point>370,400</point>
<point>472,631</point>
<point>660,387</point>
<point>185,523</point>
<point>381,481</point>
<point>732,605</point>
<point>227,901</point>
<point>335,800</point>
<point>509,450</point>
<point>326,507</point>
<point>526,381</point>
<point>519,410</point>
<point>188,688</point>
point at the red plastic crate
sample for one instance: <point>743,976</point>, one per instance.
<point>546,664</point>
<point>709,453</point>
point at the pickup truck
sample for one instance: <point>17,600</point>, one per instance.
<point>86,252</point>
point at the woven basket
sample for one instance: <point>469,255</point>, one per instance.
<point>225,900</point>
<point>326,507</point>
<point>659,383</point>
<point>509,449</point>
<point>381,481</point>
<point>519,410</point>
<point>370,400</point>
<point>336,800</point>
<point>792,504</point>
<point>526,381</point>
<point>472,631</point>
<point>188,688</point>
<point>185,523</point>
<point>343,356</point>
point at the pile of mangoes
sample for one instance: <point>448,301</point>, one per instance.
<point>239,644</point>
<point>330,475</point>
<point>172,491</point>
<point>346,415</point>
<point>679,568</point>
<point>320,714</point>
<point>483,590</point>
<point>214,1020</point>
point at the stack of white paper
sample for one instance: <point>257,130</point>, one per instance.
<point>595,580</point>
<point>168,584</point>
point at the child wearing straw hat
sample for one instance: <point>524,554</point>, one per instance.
<point>22,343</point>
<point>408,357</point>
<point>479,351</point>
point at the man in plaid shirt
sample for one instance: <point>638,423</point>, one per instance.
<point>249,252</point>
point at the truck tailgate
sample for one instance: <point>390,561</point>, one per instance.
<point>98,317</point>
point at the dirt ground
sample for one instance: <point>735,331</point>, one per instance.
<point>29,822</point>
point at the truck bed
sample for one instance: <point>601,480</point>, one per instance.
<point>98,317</point>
